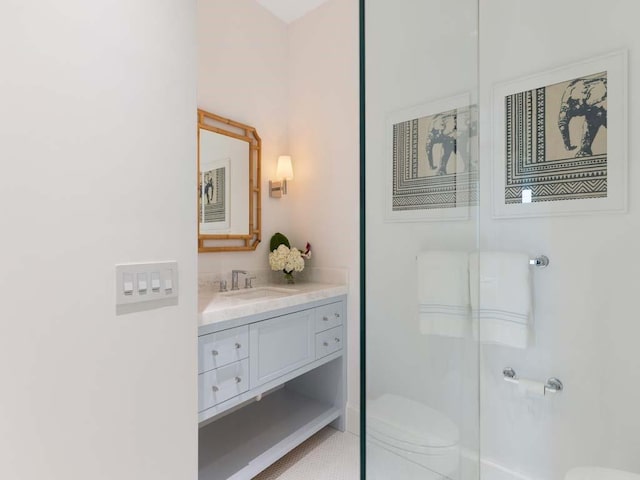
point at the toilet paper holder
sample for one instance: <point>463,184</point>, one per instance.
<point>553,385</point>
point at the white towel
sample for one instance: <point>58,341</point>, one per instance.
<point>501,298</point>
<point>443,293</point>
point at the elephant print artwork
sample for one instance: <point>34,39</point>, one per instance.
<point>431,162</point>
<point>556,141</point>
<point>587,98</point>
<point>443,130</point>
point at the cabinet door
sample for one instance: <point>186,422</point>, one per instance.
<point>222,348</point>
<point>279,345</point>
<point>221,384</point>
<point>328,342</point>
<point>329,316</point>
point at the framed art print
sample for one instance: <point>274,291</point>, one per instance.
<point>431,167</point>
<point>214,205</point>
<point>560,141</point>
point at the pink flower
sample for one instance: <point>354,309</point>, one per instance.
<point>307,251</point>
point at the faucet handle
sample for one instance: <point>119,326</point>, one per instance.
<point>223,285</point>
<point>247,282</point>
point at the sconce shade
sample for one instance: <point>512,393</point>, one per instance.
<point>284,169</point>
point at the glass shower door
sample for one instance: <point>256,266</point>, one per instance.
<point>501,225</point>
<point>554,181</point>
<point>421,226</point>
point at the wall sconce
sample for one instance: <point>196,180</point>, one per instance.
<point>284,172</point>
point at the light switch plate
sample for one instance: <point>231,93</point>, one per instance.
<point>155,285</point>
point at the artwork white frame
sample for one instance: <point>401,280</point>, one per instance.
<point>456,213</point>
<point>616,200</point>
<point>225,225</point>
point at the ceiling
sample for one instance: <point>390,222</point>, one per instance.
<point>290,10</point>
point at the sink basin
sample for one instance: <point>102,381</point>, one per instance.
<point>258,293</point>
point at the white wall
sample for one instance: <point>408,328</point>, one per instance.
<point>298,85</point>
<point>586,320</point>
<point>324,136</point>
<point>242,75</point>
<point>97,145</point>
<point>416,52</point>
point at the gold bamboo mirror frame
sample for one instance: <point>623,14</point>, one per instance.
<point>228,185</point>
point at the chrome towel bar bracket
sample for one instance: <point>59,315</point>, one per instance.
<point>540,261</point>
<point>553,385</point>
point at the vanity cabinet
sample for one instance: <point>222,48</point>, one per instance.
<point>268,382</point>
<point>281,345</point>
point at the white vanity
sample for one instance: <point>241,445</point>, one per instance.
<point>271,373</point>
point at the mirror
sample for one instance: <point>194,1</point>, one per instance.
<point>229,192</point>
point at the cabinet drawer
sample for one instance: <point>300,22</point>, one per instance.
<point>328,316</point>
<point>281,345</point>
<point>328,342</point>
<point>222,348</point>
<point>223,383</point>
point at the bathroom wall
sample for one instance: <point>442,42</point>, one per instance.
<point>586,301</point>
<point>242,75</point>
<point>323,132</point>
<point>416,52</point>
<point>298,84</point>
<point>97,141</point>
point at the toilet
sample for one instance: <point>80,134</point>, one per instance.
<point>408,440</point>
<point>596,473</point>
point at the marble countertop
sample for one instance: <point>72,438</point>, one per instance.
<point>214,307</point>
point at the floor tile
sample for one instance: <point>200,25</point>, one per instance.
<point>328,455</point>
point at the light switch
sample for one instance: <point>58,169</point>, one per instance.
<point>145,286</point>
<point>168,282</point>
<point>142,283</point>
<point>127,284</point>
<point>155,282</point>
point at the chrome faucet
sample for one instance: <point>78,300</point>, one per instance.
<point>234,278</point>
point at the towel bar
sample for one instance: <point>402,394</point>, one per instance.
<point>540,261</point>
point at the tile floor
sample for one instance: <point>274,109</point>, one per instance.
<point>328,455</point>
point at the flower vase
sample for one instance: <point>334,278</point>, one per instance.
<point>289,277</point>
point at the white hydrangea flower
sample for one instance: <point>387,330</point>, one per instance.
<point>286,259</point>
<point>295,262</point>
<point>278,258</point>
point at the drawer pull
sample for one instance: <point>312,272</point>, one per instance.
<point>326,344</point>
<point>325,319</point>
<point>214,353</point>
<point>238,379</point>
<point>238,346</point>
<point>215,389</point>
<point>337,340</point>
<point>337,315</point>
